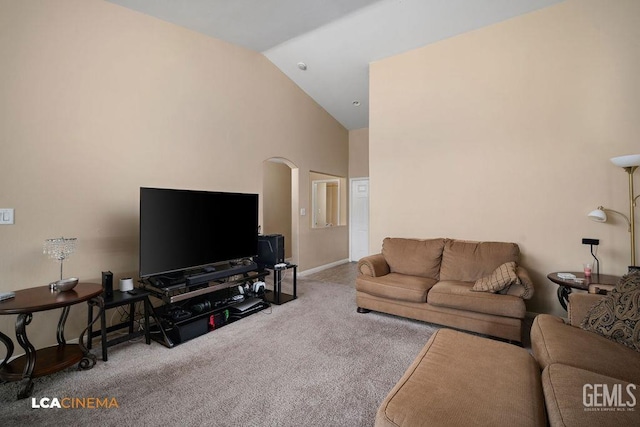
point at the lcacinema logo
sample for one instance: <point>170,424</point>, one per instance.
<point>74,403</point>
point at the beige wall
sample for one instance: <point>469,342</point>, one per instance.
<point>97,100</point>
<point>359,153</point>
<point>505,133</point>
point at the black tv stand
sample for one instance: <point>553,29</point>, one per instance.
<point>194,307</point>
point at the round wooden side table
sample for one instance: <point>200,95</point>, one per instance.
<point>565,286</point>
<point>45,361</point>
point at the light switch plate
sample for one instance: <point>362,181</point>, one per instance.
<point>6,216</point>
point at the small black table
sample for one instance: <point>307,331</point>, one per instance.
<point>116,300</point>
<point>565,286</point>
<point>278,297</point>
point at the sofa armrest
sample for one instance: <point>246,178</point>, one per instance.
<point>579,306</point>
<point>373,265</point>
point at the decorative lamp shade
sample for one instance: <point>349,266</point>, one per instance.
<point>626,161</point>
<point>598,215</point>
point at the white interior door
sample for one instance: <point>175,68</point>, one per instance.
<point>359,224</point>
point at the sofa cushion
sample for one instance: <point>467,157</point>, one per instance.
<point>575,397</point>
<point>617,315</point>
<point>469,261</point>
<point>553,341</point>
<point>413,257</point>
<point>396,286</point>
<point>461,379</point>
<point>500,279</point>
<point>459,295</point>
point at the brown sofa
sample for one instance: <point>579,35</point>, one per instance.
<point>431,280</point>
<point>575,361</point>
<point>460,379</point>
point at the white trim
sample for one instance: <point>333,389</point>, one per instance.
<point>351,181</point>
<point>323,267</point>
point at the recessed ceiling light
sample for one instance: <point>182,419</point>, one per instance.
<point>302,66</point>
<point>356,103</point>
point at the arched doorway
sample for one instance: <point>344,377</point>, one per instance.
<point>280,190</point>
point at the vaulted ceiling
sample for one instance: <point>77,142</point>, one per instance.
<point>335,39</point>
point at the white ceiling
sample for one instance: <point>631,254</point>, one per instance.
<point>337,39</point>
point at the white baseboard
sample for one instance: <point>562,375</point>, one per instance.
<point>322,267</point>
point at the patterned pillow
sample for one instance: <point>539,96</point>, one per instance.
<point>501,278</point>
<point>617,315</point>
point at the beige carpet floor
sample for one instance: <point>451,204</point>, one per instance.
<point>311,362</point>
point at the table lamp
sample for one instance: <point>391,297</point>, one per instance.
<point>59,248</point>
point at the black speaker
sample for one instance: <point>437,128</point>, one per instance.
<point>107,283</point>
<point>182,332</point>
<point>270,250</point>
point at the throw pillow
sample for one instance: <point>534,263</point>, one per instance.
<point>501,278</point>
<point>617,315</point>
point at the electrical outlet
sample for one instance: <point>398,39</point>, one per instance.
<point>587,241</point>
<point>6,216</point>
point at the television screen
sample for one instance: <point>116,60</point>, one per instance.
<point>186,229</point>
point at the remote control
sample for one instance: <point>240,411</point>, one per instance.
<point>7,295</point>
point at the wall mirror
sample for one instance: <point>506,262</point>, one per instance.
<point>327,200</point>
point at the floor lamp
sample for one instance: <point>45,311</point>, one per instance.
<point>629,164</point>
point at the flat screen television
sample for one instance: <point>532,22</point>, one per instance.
<point>182,230</point>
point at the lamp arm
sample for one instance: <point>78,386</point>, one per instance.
<point>635,200</point>
<point>622,215</point>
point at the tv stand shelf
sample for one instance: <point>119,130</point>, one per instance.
<point>171,296</point>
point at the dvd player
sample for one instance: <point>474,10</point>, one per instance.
<point>247,305</point>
